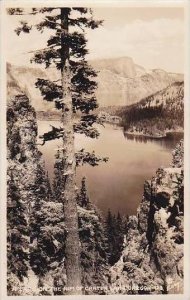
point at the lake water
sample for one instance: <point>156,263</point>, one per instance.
<point>117,184</point>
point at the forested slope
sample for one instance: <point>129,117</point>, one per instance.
<point>156,114</point>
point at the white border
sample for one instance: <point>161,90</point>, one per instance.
<point>93,3</point>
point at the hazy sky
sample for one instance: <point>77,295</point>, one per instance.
<point>152,36</point>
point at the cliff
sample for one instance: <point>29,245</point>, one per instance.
<point>27,182</point>
<point>123,66</point>
<point>122,82</point>
<point>152,259</point>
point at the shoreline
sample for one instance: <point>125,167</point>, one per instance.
<point>164,135</point>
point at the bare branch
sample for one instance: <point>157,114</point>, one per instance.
<point>38,50</point>
<point>52,22</point>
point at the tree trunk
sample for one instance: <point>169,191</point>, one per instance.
<point>72,243</point>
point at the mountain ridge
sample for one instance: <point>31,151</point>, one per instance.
<point>120,82</point>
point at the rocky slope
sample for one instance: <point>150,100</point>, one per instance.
<point>152,260</point>
<point>120,82</point>
<point>123,66</point>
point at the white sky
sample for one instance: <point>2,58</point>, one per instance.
<point>153,37</point>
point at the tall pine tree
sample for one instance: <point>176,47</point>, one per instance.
<point>115,236</point>
<point>82,197</point>
<point>94,258</point>
<point>17,233</point>
<point>72,92</point>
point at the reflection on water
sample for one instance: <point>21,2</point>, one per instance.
<point>167,142</point>
<point>117,184</point>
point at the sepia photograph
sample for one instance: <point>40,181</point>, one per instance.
<point>95,148</point>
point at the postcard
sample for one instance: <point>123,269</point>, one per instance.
<point>95,141</point>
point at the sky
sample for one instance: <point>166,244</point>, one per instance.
<point>152,36</point>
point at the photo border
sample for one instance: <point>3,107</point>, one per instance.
<point>3,164</point>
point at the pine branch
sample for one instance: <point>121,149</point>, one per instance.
<point>84,22</point>
<point>20,12</point>
<point>55,133</point>
<point>85,105</point>
<point>88,120</point>
<point>49,23</point>
<point>82,10</point>
<point>83,157</point>
<point>23,28</point>
<point>47,56</point>
<point>84,128</point>
<point>49,89</point>
<point>82,66</point>
<point>54,40</point>
<point>40,50</point>
<point>45,9</point>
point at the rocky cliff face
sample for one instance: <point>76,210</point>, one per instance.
<point>25,186</point>
<point>152,260</point>
<point>123,66</point>
<point>114,89</point>
<point>24,159</point>
<point>120,82</point>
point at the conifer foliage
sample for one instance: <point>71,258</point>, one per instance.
<point>115,229</point>
<point>94,256</point>
<point>17,241</point>
<point>82,198</point>
<point>72,92</point>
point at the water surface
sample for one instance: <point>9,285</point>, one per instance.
<point>117,184</point>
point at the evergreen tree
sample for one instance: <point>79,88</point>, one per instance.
<point>120,233</point>
<point>72,92</point>
<point>47,232</point>
<point>48,248</point>
<point>17,233</point>
<point>115,236</point>
<point>39,192</point>
<point>82,197</point>
<point>94,256</point>
<point>110,230</point>
<point>94,259</point>
<point>58,180</point>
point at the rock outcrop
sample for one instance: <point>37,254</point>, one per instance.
<point>27,182</point>
<point>152,260</point>
<point>122,82</point>
<point>123,66</point>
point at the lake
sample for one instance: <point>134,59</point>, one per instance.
<point>117,184</point>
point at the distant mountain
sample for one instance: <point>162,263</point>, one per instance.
<point>123,66</point>
<point>156,114</point>
<point>120,82</point>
